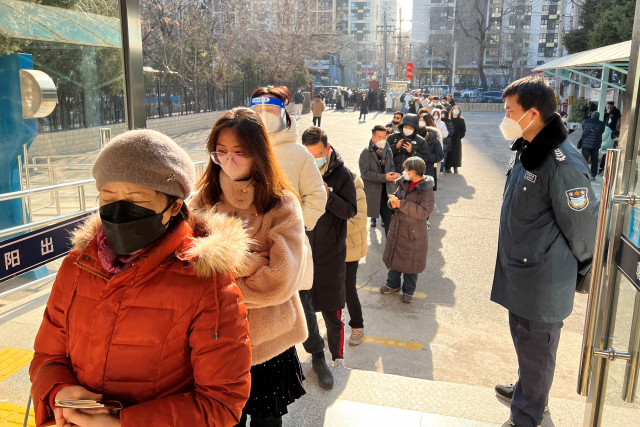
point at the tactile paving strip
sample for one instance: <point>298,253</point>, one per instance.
<point>13,415</point>
<point>12,360</point>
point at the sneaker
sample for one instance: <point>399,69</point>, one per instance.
<point>407,299</point>
<point>373,222</point>
<point>339,363</point>
<point>505,392</point>
<point>356,336</point>
<point>387,290</point>
<point>319,364</point>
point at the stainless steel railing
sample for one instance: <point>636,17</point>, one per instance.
<point>27,194</point>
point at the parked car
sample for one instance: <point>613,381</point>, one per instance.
<point>491,96</point>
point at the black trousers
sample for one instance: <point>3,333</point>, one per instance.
<point>536,347</point>
<point>593,152</point>
<point>335,329</point>
<point>363,114</point>
<point>353,302</point>
<point>260,422</point>
<point>386,213</point>
<point>317,119</point>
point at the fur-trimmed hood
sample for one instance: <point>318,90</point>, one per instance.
<point>434,130</point>
<point>533,154</point>
<point>217,244</point>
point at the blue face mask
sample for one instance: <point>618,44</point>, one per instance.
<point>320,162</point>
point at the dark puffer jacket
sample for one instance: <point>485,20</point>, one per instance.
<point>592,130</point>
<point>328,238</point>
<point>407,241</point>
<point>418,144</point>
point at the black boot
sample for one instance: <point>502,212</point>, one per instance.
<point>325,378</point>
<point>455,170</point>
<point>373,222</point>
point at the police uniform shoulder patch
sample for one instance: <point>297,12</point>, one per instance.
<point>578,198</point>
<point>560,156</point>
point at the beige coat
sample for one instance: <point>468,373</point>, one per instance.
<point>302,172</point>
<point>317,107</point>
<point>276,318</point>
<point>357,245</point>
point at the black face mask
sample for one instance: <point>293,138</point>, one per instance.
<point>396,123</point>
<point>129,227</point>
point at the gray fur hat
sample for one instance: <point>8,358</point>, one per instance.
<point>148,158</point>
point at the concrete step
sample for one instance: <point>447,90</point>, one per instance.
<point>366,398</point>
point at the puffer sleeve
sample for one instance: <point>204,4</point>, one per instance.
<point>51,366</point>
<point>221,360</point>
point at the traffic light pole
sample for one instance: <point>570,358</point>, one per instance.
<point>384,50</point>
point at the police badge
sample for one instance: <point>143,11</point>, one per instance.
<point>577,199</point>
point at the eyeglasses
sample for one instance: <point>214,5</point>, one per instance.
<point>220,158</point>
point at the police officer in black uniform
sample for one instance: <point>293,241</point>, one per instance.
<point>547,233</point>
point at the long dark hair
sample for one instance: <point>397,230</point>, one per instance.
<point>280,92</point>
<point>269,180</point>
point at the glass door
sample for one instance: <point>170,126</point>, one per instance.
<point>609,366</point>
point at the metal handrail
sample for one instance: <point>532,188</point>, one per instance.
<point>42,223</point>
<point>57,165</point>
<point>61,156</point>
<point>31,192</point>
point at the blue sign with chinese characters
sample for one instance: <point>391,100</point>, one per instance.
<point>633,233</point>
<point>628,260</point>
<point>28,251</point>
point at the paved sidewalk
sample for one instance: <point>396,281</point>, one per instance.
<point>452,343</point>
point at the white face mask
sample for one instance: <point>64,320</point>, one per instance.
<point>511,128</point>
<point>407,132</point>
<point>422,123</point>
<point>456,111</point>
<point>272,123</point>
<point>406,176</point>
<point>436,118</point>
<point>235,172</point>
<point>381,144</point>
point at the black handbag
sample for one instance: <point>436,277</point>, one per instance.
<point>447,144</point>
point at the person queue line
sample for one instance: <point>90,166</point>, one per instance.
<point>185,297</point>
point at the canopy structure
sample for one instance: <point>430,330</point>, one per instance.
<point>613,58</point>
<point>29,21</point>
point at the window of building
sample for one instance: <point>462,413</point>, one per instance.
<point>540,62</point>
<point>496,1</point>
<point>495,24</point>
<point>360,32</point>
<point>496,12</point>
<point>360,16</point>
<point>325,4</point>
<point>494,39</point>
<point>544,24</point>
<point>492,53</point>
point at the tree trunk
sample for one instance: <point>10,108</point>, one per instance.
<point>483,78</point>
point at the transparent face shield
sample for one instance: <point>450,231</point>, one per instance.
<point>272,112</point>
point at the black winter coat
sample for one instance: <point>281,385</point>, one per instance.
<point>418,144</point>
<point>328,238</point>
<point>592,130</point>
<point>435,154</point>
<point>454,158</point>
<point>364,107</point>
